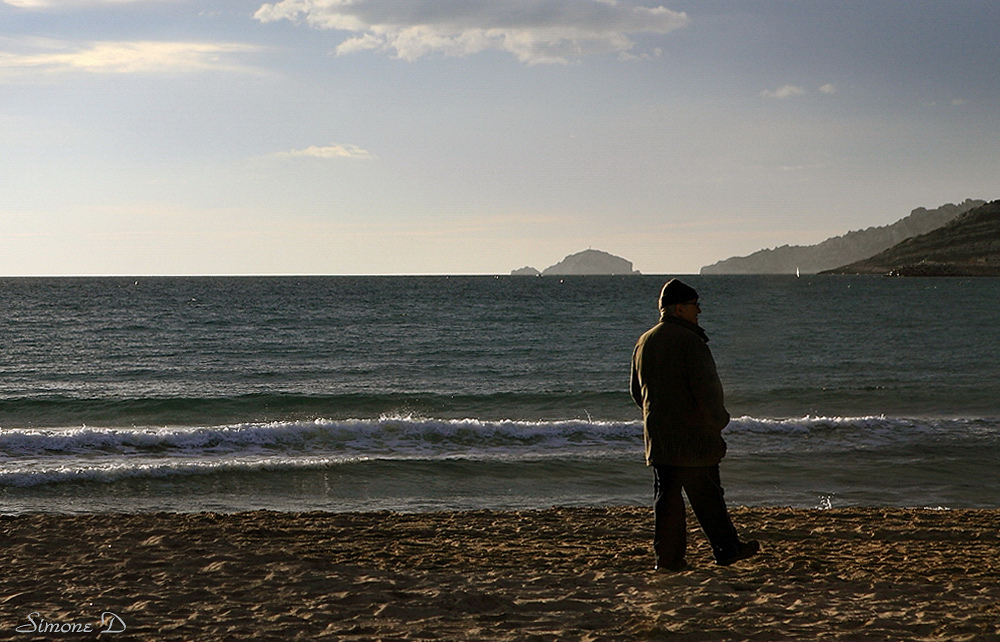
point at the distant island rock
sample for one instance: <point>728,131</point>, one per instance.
<point>841,250</point>
<point>587,262</point>
<point>967,246</point>
<point>525,271</point>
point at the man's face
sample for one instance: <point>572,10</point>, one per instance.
<point>688,311</point>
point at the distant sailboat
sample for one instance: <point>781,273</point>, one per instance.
<point>797,271</point>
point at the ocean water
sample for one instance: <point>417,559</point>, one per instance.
<point>429,393</point>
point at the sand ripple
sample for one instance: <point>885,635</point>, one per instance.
<point>559,574</point>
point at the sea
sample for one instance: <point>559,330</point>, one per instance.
<point>426,393</point>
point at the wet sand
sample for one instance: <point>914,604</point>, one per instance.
<point>559,574</point>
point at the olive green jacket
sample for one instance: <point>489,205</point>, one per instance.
<point>675,382</point>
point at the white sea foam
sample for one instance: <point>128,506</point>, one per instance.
<point>101,472</point>
<point>321,433</point>
<point>33,457</point>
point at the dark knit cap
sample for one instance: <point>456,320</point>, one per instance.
<point>676,292</point>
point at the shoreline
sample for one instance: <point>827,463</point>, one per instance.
<point>553,574</point>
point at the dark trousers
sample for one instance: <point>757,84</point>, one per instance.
<point>704,491</point>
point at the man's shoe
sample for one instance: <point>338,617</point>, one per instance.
<point>744,550</point>
<point>671,568</point>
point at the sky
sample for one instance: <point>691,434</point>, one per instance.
<point>150,137</point>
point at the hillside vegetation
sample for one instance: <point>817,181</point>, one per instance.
<point>841,250</point>
<point>967,246</point>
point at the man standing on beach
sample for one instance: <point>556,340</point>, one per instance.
<point>675,382</point>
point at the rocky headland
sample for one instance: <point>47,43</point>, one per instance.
<point>967,246</point>
<point>841,250</point>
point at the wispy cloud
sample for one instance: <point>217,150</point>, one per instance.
<point>786,91</point>
<point>330,151</point>
<point>69,4</point>
<point>46,56</point>
<point>790,91</point>
<point>535,31</point>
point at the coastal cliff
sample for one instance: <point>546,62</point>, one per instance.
<point>967,246</point>
<point>841,250</point>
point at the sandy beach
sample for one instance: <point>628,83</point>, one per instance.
<point>558,574</point>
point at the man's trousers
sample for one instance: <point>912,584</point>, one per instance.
<point>704,491</point>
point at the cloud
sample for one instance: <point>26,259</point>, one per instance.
<point>789,91</point>
<point>70,4</point>
<point>331,151</point>
<point>535,31</point>
<point>783,92</point>
<point>38,55</point>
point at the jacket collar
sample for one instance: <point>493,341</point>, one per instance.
<point>693,327</point>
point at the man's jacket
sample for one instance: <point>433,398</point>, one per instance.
<point>675,382</point>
